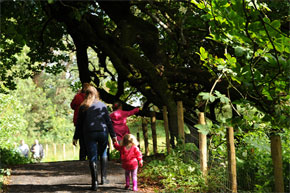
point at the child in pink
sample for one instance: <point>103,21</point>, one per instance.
<point>130,155</point>
<point>119,120</point>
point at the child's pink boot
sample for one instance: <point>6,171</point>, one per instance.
<point>127,182</point>
<point>135,185</point>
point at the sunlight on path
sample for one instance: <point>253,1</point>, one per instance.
<point>67,176</point>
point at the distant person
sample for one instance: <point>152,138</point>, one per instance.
<point>119,119</point>
<point>37,151</point>
<point>130,155</point>
<point>95,123</point>
<point>23,148</point>
<point>75,104</point>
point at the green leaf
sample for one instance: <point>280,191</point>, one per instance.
<point>205,95</point>
<point>239,51</point>
<point>201,5</point>
<point>221,68</point>
<point>203,53</point>
<point>232,60</point>
<point>224,99</point>
<point>181,171</point>
<point>245,154</point>
<point>194,2</point>
<point>235,79</point>
<point>276,24</point>
<point>266,19</point>
<point>217,93</point>
<point>271,59</point>
<point>202,128</point>
<point>212,98</point>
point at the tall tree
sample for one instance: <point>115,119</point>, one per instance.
<point>152,46</point>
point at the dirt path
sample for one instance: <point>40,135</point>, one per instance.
<point>67,176</point>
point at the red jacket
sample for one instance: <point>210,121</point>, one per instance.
<point>129,157</point>
<point>119,119</point>
<point>75,104</point>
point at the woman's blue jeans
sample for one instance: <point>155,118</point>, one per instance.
<point>96,143</point>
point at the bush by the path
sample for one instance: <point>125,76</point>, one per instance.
<point>180,172</point>
<point>12,157</point>
<point>9,157</point>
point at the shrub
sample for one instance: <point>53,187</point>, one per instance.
<point>179,173</point>
<point>9,157</point>
<point>12,157</point>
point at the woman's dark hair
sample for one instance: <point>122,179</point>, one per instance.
<point>117,105</point>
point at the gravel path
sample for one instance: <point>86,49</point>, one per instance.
<point>66,176</point>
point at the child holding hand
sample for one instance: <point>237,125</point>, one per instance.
<point>130,155</point>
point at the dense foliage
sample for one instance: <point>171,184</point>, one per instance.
<point>48,113</point>
<point>254,163</point>
<point>153,47</point>
<point>12,119</point>
<point>229,59</point>
<point>256,57</point>
<point>38,108</point>
<point>186,175</point>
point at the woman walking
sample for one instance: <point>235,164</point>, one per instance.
<point>94,121</point>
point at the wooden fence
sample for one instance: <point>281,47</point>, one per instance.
<point>59,152</point>
<point>202,142</point>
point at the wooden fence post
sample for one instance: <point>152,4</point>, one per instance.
<point>203,147</point>
<point>145,135</point>
<point>276,153</point>
<point>166,127</point>
<point>180,120</point>
<point>74,151</point>
<point>54,149</point>
<point>63,149</point>
<point>46,150</point>
<point>232,160</point>
<point>153,127</point>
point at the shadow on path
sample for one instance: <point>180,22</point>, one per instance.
<point>66,176</point>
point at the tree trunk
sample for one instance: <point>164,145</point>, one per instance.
<point>153,128</point>
<point>82,61</point>
<point>145,135</point>
<point>276,153</point>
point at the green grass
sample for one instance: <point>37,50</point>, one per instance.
<point>70,152</point>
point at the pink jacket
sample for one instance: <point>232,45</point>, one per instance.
<point>129,157</point>
<point>119,120</point>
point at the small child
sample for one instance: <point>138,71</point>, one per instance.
<point>130,155</point>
